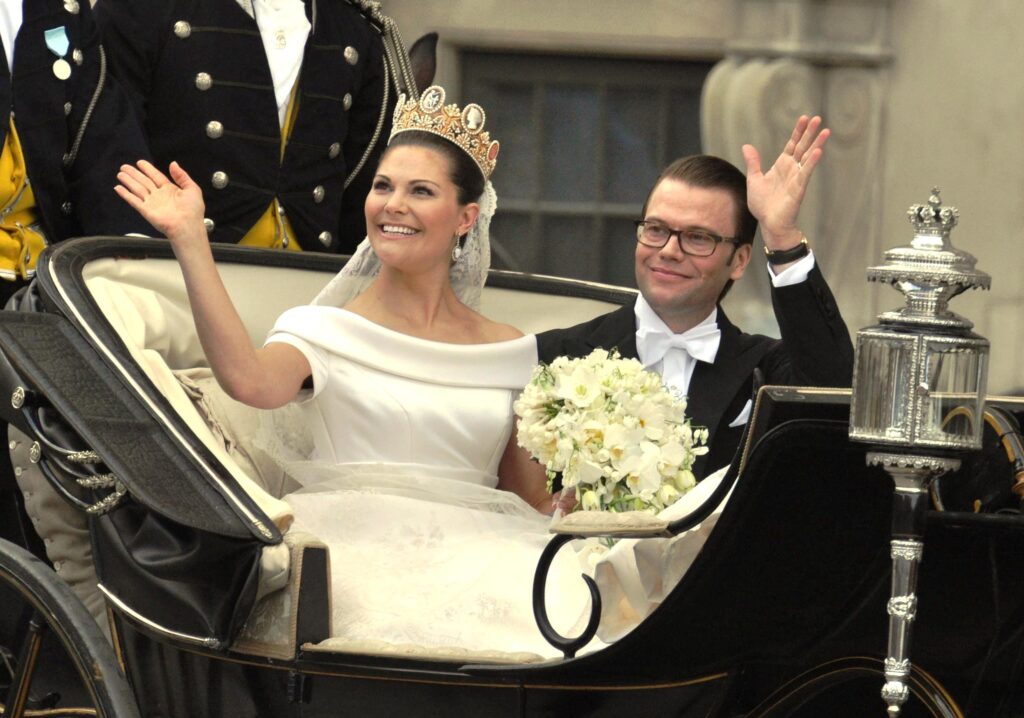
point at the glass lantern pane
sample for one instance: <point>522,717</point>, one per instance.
<point>882,382</point>
<point>951,412</point>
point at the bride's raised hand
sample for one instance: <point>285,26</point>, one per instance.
<point>174,206</point>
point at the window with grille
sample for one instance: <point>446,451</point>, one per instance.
<point>582,140</point>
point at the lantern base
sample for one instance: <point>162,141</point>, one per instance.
<point>911,475</point>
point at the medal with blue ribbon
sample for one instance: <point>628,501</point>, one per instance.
<point>58,43</point>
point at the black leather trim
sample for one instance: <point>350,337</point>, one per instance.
<point>62,367</point>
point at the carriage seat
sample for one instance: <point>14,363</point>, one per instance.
<point>146,303</point>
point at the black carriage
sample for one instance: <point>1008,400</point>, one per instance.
<point>782,613</point>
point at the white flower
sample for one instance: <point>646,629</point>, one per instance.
<point>642,469</point>
<point>580,388</point>
<point>685,480</point>
<point>590,472</point>
<point>673,454</point>
<point>668,494</point>
<point>590,501</point>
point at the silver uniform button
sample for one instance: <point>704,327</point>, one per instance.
<point>351,55</point>
<point>67,109</point>
<point>71,6</point>
<point>334,150</point>
<point>182,29</point>
<point>220,180</point>
<point>77,56</point>
<point>66,207</point>
<point>214,129</point>
<point>280,210</point>
<point>209,224</point>
<point>285,242</point>
<point>346,101</point>
<point>326,238</point>
<point>204,81</point>
<point>318,193</point>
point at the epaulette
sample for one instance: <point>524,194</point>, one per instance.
<point>397,71</point>
<point>395,54</point>
<point>371,10</point>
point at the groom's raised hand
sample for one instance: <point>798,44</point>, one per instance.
<point>774,197</point>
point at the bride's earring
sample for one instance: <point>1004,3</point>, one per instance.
<point>457,250</point>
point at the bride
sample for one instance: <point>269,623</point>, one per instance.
<point>434,516</point>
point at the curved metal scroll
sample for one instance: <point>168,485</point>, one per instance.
<point>568,646</point>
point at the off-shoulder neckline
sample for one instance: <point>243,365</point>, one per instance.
<point>412,337</point>
<point>508,363</point>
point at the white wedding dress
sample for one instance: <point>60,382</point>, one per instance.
<point>408,435</point>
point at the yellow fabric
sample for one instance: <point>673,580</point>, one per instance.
<point>20,242</point>
<point>273,227</point>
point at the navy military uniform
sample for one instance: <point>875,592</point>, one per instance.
<point>70,128</point>
<point>197,72</point>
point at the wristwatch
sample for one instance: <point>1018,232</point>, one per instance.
<point>785,256</point>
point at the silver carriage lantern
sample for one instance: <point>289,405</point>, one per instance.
<point>918,394</point>
<point>922,367</point>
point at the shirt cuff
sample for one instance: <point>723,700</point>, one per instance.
<point>793,274</point>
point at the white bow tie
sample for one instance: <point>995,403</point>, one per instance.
<point>701,343</point>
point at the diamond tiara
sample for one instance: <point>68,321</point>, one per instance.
<point>464,127</point>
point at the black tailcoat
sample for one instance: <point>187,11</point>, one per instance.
<point>48,112</point>
<point>197,73</point>
<point>815,350</point>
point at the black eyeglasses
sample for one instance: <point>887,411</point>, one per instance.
<point>695,242</point>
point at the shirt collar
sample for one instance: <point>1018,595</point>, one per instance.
<point>648,320</point>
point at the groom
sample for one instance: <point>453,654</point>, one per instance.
<point>695,239</point>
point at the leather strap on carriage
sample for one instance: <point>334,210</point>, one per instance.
<point>1006,428</point>
<point>55,460</point>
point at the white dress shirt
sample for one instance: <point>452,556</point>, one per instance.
<point>284,29</point>
<point>10,23</point>
<point>676,367</point>
<point>794,274</point>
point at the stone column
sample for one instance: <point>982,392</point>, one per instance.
<point>792,57</point>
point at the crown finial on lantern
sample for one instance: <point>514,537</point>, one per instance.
<point>930,271</point>
<point>933,218</point>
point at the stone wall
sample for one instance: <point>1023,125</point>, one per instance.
<point>919,93</point>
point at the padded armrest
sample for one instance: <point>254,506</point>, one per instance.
<point>626,524</point>
<point>298,613</point>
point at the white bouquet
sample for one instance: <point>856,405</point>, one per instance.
<point>613,431</point>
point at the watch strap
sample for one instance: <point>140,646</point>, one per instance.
<point>785,256</point>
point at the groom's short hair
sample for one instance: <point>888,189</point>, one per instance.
<point>712,172</point>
